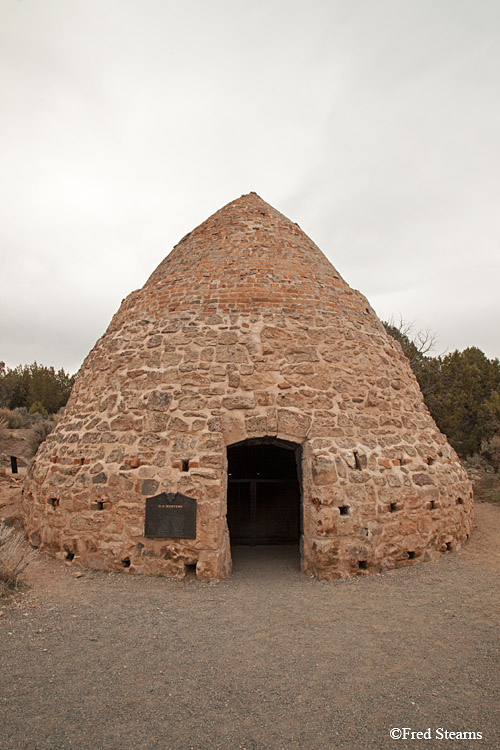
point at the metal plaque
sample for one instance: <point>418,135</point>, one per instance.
<point>171,515</point>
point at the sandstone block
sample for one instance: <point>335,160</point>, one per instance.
<point>149,487</point>
<point>236,353</point>
<point>232,428</point>
<point>158,400</point>
<point>324,470</point>
<point>422,479</point>
<point>293,423</point>
<point>238,402</point>
<point>302,354</point>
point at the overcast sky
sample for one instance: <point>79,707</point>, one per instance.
<point>374,124</point>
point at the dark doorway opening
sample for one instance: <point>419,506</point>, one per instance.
<point>263,493</point>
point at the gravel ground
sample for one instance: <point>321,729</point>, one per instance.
<point>268,659</point>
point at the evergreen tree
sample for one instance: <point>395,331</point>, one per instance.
<point>35,387</point>
<point>461,389</point>
<point>466,401</point>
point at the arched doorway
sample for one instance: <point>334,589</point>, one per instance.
<point>264,493</point>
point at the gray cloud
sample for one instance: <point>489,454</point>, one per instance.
<point>125,124</point>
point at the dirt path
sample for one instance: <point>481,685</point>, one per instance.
<point>267,659</point>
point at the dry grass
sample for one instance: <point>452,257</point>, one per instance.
<point>4,433</point>
<point>487,488</point>
<point>15,555</point>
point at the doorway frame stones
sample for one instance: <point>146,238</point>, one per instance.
<point>290,445</point>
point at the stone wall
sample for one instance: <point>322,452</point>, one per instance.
<point>247,331</point>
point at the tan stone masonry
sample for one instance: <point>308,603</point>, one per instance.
<point>246,331</point>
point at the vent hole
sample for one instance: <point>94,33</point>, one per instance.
<point>69,555</point>
<point>411,554</point>
<point>393,507</point>
<point>448,547</point>
<point>100,505</point>
<point>185,465</point>
<point>126,562</point>
<point>433,505</point>
<point>54,502</point>
<point>82,461</point>
<point>344,510</point>
<point>357,462</point>
<point>362,564</point>
<point>460,501</point>
<point>190,570</point>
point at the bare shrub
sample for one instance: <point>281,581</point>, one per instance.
<point>40,430</point>
<point>12,419</point>
<point>15,555</point>
<point>490,450</point>
<point>22,414</point>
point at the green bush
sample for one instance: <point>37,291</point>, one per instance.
<point>38,408</point>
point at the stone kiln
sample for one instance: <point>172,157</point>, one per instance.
<point>245,345</point>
